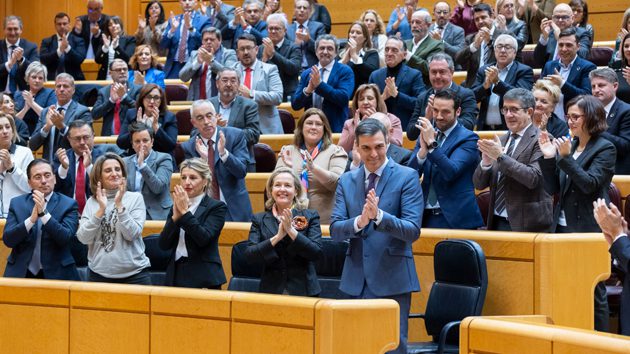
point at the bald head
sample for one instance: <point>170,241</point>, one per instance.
<point>563,16</point>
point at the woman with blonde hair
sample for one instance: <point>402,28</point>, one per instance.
<point>14,160</point>
<point>143,67</point>
<point>376,28</point>
<point>359,54</point>
<point>286,238</point>
<point>547,96</point>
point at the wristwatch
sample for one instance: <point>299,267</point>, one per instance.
<point>44,212</point>
<point>433,145</point>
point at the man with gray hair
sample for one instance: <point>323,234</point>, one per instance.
<point>247,19</point>
<point>493,81</point>
<point>204,64</point>
<point>510,168</point>
<point>422,46</point>
<point>303,32</point>
<point>16,54</point>
<point>279,50</point>
<point>52,129</point>
<point>451,35</point>
<point>604,85</point>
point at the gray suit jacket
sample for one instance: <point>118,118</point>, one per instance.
<point>244,115</point>
<point>452,37</point>
<point>155,185</point>
<point>529,206</point>
<point>268,90</point>
<point>192,70</point>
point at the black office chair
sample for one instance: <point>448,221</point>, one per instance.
<point>329,268</point>
<point>265,158</point>
<point>158,257</point>
<point>245,273</point>
<point>459,291</point>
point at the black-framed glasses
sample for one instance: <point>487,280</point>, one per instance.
<point>512,110</point>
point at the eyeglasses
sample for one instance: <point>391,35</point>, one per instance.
<point>245,49</point>
<point>501,47</point>
<point>78,139</point>
<point>561,18</point>
<point>508,6</point>
<point>573,117</point>
<point>443,12</point>
<point>512,110</point>
<point>153,98</point>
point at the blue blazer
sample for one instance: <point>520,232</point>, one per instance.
<point>231,173</point>
<point>620,250</point>
<point>30,55</point>
<point>379,256</point>
<point>72,60</point>
<point>152,76</point>
<point>57,234</point>
<point>578,82</point>
<point>454,163</point>
<point>45,97</point>
<point>337,92</point>
<point>66,186</point>
<point>171,68</point>
<point>230,35</point>
<point>315,29</point>
<point>410,86</point>
<point>165,137</point>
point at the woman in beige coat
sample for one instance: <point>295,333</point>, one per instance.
<point>316,161</point>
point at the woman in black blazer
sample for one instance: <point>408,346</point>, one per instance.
<point>320,14</point>
<point>114,44</point>
<point>192,230</point>
<point>359,54</point>
<point>286,238</point>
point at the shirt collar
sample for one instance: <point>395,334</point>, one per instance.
<point>327,67</point>
<point>568,67</point>
<point>522,132</point>
<point>420,41</point>
<point>194,202</point>
<point>608,107</point>
<point>16,43</point>
<point>65,106</point>
<point>507,68</point>
<point>379,171</point>
<point>229,105</point>
<point>279,43</point>
<point>305,24</point>
<point>448,131</point>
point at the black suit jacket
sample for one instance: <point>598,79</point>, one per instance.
<point>124,51</point>
<point>467,117</point>
<point>619,134</point>
<point>165,137</point>
<point>471,61</point>
<point>290,264</point>
<point>66,185</point>
<point>519,76</point>
<point>580,182</point>
<point>30,55</point>
<point>105,108</point>
<point>620,250</point>
<point>288,59</point>
<point>203,268</point>
<point>85,32</point>
<point>72,59</point>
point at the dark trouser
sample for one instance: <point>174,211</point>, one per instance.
<point>142,278</point>
<point>404,301</point>
<point>180,274</point>
<point>500,223</point>
<point>39,275</point>
<point>602,313</point>
<point>434,218</point>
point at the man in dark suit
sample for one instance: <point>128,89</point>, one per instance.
<point>69,163</point>
<point>327,85</point>
<point>604,85</point>
<point>570,72</point>
<point>16,54</point>
<point>441,69</point>
<point>451,35</point>
<point>39,229</point>
<point>510,168</point>
<point>547,48</point>
<point>615,230</point>
<point>204,64</point>
<point>446,156</point>
<point>181,36</point>
<point>227,148</point>
<point>91,26</point>
<point>115,99</point>
<point>380,228</point>
<point>493,81</point>
<point>220,14</point>
<point>303,32</point>
<point>61,52</point>
<point>398,154</point>
<point>247,19</point>
<point>279,50</point>
<point>52,128</point>
<point>422,46</point>
<point>400,85</point>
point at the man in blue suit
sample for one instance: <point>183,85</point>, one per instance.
<point>303,32</point>
<point>16,54</point>
<point>39,229</point>
<point>247,19</point>
<point>181,36</point>
<point>380,228</point>
<point>219,13</point>
<point>61,52</point>
<point>227,148</point>
<point>446,155</point>
<point>400,84</point>
<point>569,72</point>
<point>327,85</point>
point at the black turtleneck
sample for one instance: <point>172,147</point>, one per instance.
<point>393,72</point>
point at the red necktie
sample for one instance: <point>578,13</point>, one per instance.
<point>215,183</point>
<point>248,78</point>
<point>117,118</point>
<point>202,82</point>
<point>181,49</point>
<point>79,191</point>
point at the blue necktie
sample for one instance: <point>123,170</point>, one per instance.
<point>35,265</point>
<point>13,73</point>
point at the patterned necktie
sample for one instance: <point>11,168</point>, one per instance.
<point>485,53</point>
<point>500,194</point>
<point>117,117</point>
<point>181,50</point>
<point>202,81</point>
<point>371,183</point>
<point>432,196</point>
<point>215,183</point>
<point>318,100</point>
<point>79,190</point>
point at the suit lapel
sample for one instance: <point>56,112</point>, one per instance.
<point>70,111</point>
<point>400,76</point>
<point>529,134</point>
<point>256,78</point>
<point>612,115</point>
<point>387,172</point>
<point>270,223</point>
<point>52,203</point>
<point>575,70</point>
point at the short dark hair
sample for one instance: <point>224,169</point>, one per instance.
<point>136,127</point>
<point>327,37</point>
<point>145,90</point>
<point>567,32</point>
<point>398,39</point>
<point>161,19</point>
<point>117,20</point>
<point>247,37</point>
<point>34,163</point>
<point>483,7</point>
<point>216,31</point>
<point>61,15</point>
<point>525,97</point>
<point>369,127</point>
<point>450,95</point>
<point>594,113</point>
<point>79,123</point>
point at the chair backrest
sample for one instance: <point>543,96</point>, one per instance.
<point>184,125</point>
<point>245,273</point>
<point>329,268</point>
<point>179,154</point>
<point>600,56</point>
<point>528,59</point>
<point>176,92</point>
<point>288,122</point>
<point>614,195</point>
<point>483,201</point>
<point>159,258</point>
<point>459,290</point>
<point>265,158</point>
